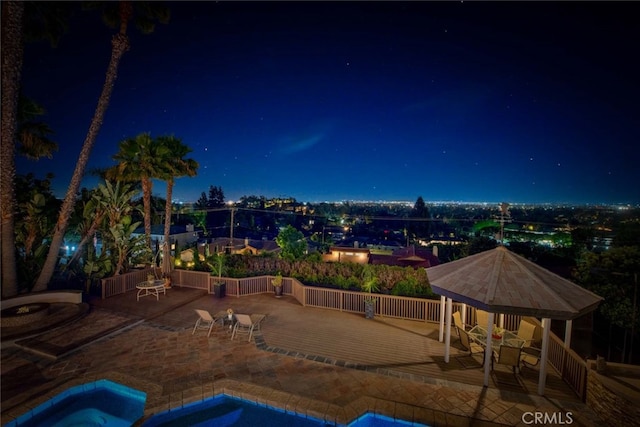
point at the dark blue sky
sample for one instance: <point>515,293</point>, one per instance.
<point>506,101</point>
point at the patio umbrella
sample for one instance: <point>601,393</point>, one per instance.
<point>500,281</point>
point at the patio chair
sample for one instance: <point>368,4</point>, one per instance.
<point>530,356</point>
<point>526,332</point>
<point>457,322</point>
<point>468,343</point>
<point>257,320</point>
<point>482,318</point>
<point>469,361</point>
<point>205,321</point>
<point>507,355</point>
<point>243,325</point>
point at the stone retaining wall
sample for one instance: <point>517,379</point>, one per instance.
<point>612,395</point>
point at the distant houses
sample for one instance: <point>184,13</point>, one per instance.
<point>347,254</point>
<point>412,256</point>
<point>403,257</point>
<point>179,236</point>
<point>238,246</point>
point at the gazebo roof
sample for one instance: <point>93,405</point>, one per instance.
<point>500,281</point>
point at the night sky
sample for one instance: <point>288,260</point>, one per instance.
<point>453,101</point>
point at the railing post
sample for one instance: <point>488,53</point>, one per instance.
<point>442,310</point>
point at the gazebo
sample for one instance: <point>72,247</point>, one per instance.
<point>499,281</point>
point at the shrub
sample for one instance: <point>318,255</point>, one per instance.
<point>402,281</point>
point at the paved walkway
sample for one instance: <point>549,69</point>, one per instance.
<point>291,364</point>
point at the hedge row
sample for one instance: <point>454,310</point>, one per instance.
<point>404,281</point>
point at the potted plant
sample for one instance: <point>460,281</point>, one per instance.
<point>217,266</point>
<point>277,285</point>
<point>369,285</point>
<point>167,280</point>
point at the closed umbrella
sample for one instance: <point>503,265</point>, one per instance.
<point>166,264</point>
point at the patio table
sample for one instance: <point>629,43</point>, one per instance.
<point>224,319</point>
<point>479,335</point>
<point>150,288</point>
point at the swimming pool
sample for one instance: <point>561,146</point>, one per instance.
<point>376,420</point>
<point>99,403</point>
<point>223,411</point>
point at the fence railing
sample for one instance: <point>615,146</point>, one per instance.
<point>124,282</point>
<point>568,364</point>
<point>571,367</point>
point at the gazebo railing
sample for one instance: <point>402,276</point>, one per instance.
<point>571,367</point>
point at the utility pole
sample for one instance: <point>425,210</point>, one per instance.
<point>231,230</point>
<point>633,315</point>
<point>504,211</point>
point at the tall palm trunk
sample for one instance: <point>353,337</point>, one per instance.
<point>146,202</point>
<point>95,224</point>
<point>12,54</point>
<point>120,44</point>
<point>167,212</point>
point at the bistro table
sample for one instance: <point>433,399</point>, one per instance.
<point>225,319</point>
<point>479,335</point>
<point>147,288</point>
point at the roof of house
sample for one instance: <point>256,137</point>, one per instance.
<point>407,257</point>
<point>348,249</point>
<point>158,230</point>
<point>238,244</point>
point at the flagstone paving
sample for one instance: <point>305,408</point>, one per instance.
<point>162,357</point>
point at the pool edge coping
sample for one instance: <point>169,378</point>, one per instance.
<point>290,403</point>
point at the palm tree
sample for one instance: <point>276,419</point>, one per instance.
<point>146,13</point>
<point>21,21</point>
<point>176,166</point>
<point>33,136</point>
<point>110,202</point>
<point>140,159</point>
<point>12,54</point>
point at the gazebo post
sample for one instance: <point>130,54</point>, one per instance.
<point>488,355</point>
<point>501,321</point>
<point>567,333</point>
<point>546,325</point>
<point>464,314</point>
<point>447,340</point>
<point>442,308</point>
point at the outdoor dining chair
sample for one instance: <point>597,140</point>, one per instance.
<point>205,321</point>
<point>526,332</point>
<point>243,325</point>
<point>530,356</point>
<point>457,321</point>
<point>507,355</point>
<point>468,343</point>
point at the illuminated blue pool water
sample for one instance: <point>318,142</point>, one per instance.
<point>375,420</point>
<point>100,403</point>
<point>223,411</point>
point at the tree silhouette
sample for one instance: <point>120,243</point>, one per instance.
<point>420,226</point>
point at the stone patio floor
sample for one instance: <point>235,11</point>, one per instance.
<point>327,364</point>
